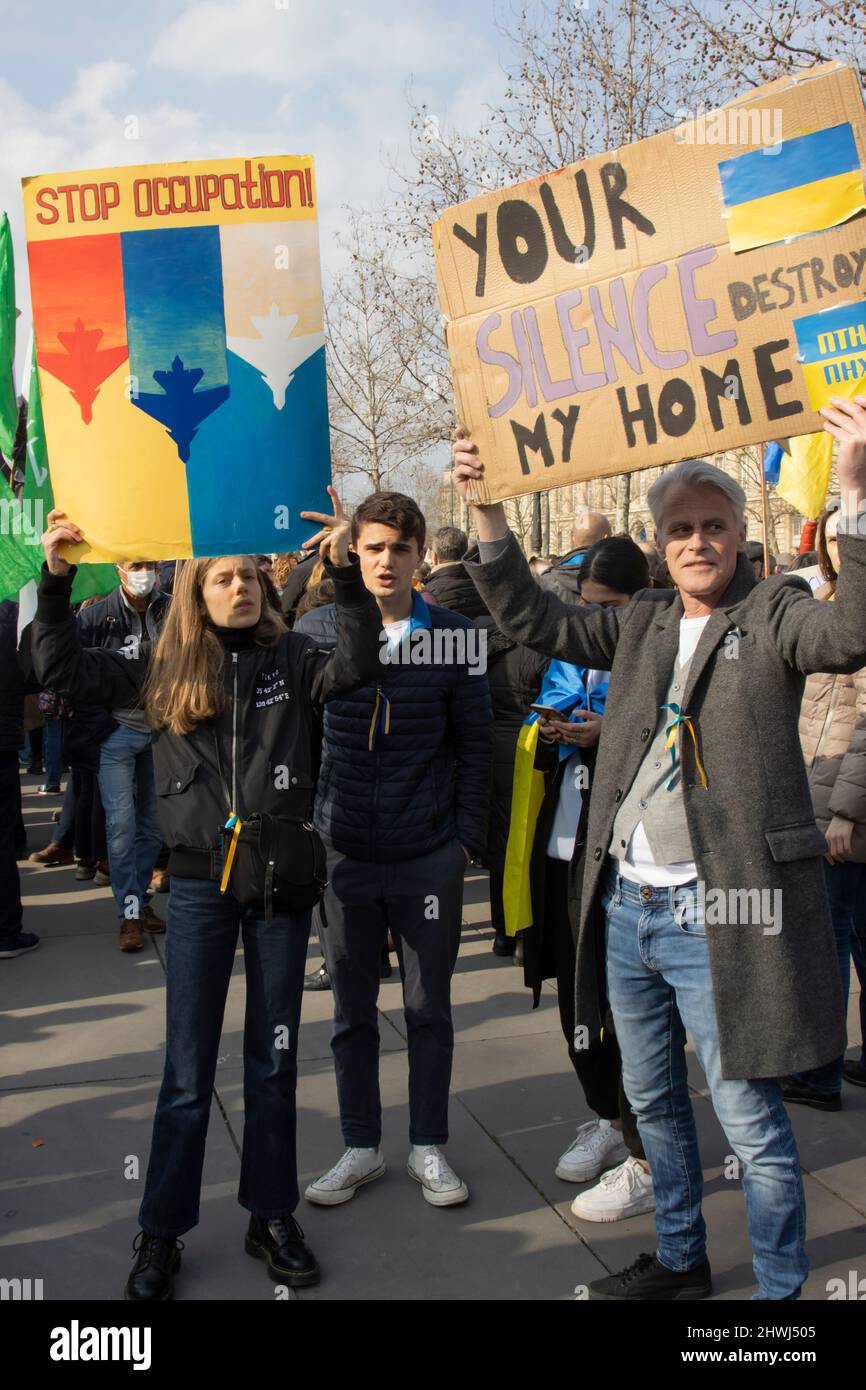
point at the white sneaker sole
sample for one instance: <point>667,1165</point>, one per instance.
<point>601,1214</point>
<point>335,1197</point>
<point>455,1198</point>
<point>612,1160</point>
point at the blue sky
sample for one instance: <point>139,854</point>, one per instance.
<point>209,77</point>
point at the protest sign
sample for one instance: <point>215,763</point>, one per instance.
<point>177,312</point>
<point>687,294</point>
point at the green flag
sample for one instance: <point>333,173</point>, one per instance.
<point>8,401</point>
<point>20,551</point>
<point>39,496</point>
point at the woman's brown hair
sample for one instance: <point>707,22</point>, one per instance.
<point>184,685</point>
<point>828,569</point>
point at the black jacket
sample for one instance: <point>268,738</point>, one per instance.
<point>452,588</point>
<point>539,951</point>
<point>259,754</point>
<point>400,779</point>
<point>295,586</point>
<point>109,622</point>
<point>515,674</point>
<point>12,682</point>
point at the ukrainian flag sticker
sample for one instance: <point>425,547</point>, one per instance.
<point>773,194</point>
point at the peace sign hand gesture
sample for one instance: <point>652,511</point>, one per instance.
<point>333,538</point>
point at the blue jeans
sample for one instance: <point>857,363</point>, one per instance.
<point>200,949</point>
<point>659,985</point>
<point>52,755</point>
<point>126,784</point>
<point>846,889</point>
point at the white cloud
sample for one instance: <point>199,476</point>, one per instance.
<point>304,42</point>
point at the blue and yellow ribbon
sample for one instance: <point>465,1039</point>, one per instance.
<point>381,717</point>
<point>235,825</point>
<point>671,731</point>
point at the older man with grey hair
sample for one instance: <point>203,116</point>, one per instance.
<point>703,904</point>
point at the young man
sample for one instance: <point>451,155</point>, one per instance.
<point>401,805</point>
<point>705,907</point>
<point>129,615</point>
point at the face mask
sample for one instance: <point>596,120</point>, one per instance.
<point>140,582</point>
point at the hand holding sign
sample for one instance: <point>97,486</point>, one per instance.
<point>846,421</point>
<point>61,531</point>
<point>490,519</point>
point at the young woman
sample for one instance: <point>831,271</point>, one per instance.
<point>833,738</point>
<point>612,571</point>
<point>231,695</point>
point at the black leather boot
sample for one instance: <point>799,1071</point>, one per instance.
<point>157,1262</point>
<point>280,1242</point>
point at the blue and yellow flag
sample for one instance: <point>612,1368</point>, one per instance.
<point>800,472</point>
<point>802,185</point>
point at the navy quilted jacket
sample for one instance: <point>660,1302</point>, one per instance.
<point>406,762</point>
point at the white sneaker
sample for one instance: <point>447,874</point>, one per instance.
<point>597,1146</point>
<point>441,1186</point>
<point>624,1191</point>
<point>340,1183</point>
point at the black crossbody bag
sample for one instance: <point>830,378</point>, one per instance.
<point>279,864</point>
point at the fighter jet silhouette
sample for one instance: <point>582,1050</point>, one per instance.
<point>182,408</point>
<point>275,353</point>
<point>84,365</point>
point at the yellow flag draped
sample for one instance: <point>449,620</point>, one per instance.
<point>804,473</point>
<point>526,798</point>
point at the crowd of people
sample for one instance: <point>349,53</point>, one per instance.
<point>329,740</point>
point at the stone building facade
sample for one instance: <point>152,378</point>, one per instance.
<point>600,495</point>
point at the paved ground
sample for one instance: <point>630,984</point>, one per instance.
<point>82,1030</point>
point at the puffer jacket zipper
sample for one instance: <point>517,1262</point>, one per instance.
<point>234,805</point>
<point>828,718</point>
<point>376,772</point>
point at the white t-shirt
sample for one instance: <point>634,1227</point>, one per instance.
<point>563,830</point>
<point>638,865</point>
<point>396,632</point>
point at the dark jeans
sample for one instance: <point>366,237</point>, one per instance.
<point>90,842</point>
<point>846,889</point>
<point>52,752</point>
<point>599,1066</point>
<point>10,811</point>
<point>421,901</point>
<point>200,949</point>
<point>65,832</point>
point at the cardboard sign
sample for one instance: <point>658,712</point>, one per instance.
<point>600,319</point>
<point>177,314</point>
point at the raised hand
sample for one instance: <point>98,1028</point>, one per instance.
<point>846,421</point>
<point>490,519</point>
<point>61,531</point>
<point>333,538</point>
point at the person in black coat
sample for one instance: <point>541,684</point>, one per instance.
<point>448,580</point>
<point>13,940</point>
<point>514,674</point>
<point>611,572</point>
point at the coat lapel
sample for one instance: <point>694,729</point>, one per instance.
<point>667,641</point>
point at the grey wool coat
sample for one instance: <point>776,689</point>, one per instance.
<point>778,996</point>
